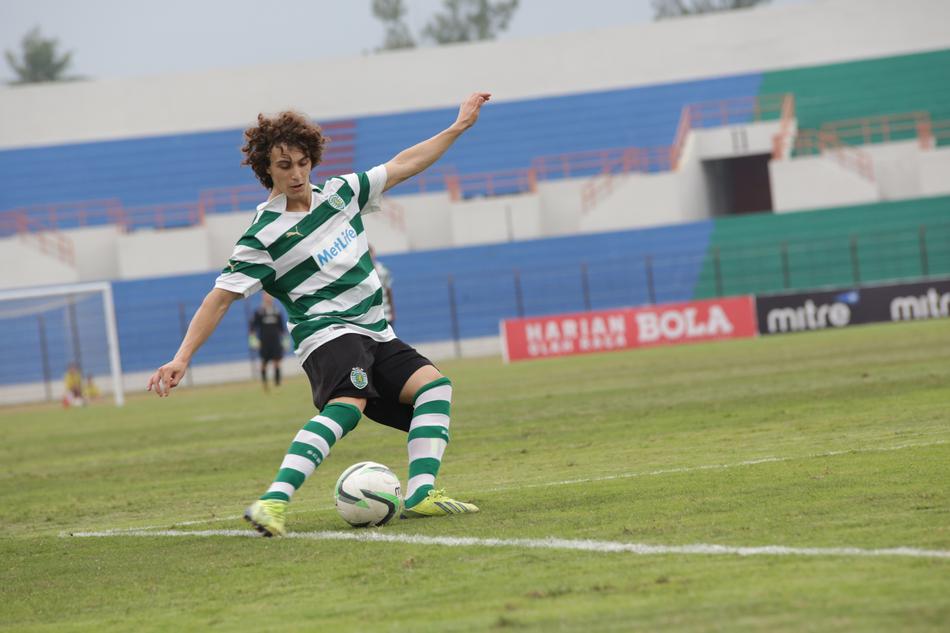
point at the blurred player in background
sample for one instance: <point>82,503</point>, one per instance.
<point>308,249</point>
<point>266,335</point>
<point>386,280</point>
<point>72,387</point>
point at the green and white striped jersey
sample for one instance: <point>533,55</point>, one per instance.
<point>317,264</point>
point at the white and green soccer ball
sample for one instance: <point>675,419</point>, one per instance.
<point>367,494</point>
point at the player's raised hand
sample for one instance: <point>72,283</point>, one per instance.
<point>167,378</point>
<point>468,112</point>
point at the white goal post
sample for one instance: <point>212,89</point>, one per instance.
<point>72,326</point>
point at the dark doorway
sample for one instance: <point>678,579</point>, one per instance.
<point>739,185</point>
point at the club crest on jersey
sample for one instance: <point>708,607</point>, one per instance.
<point>336,201</point>
<point>358,378</point>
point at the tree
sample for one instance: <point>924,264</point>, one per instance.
<point>39,60</point>
<point>469,20</point>
<point>674,8</point>
<point>392,13</point>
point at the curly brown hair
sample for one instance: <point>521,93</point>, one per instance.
<point>287,128</point>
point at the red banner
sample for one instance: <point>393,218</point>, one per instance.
<point>628,328</point>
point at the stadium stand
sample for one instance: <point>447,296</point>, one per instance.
<point>829,247</point>
<point>866,88</point>
<point>174,169</point>
<point>475,287</point>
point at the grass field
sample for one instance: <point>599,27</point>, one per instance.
<point>824,440</point>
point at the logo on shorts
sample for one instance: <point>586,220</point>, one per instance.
<point>336,201</point>
<point>358,378</point>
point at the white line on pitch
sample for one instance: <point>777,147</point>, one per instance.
<point>688,469</point>
<point>609,547</point>
<point>651,473</point>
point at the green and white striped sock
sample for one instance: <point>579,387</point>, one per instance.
<point>428,437</point>
<point>311,447</point>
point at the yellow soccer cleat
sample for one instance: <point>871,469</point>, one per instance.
<point>267,516</point>
<point>436,504</point>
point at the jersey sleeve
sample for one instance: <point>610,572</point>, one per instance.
<point>369,189</point>
<point>250,266</point>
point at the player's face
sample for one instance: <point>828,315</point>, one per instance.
<point>290,169</point>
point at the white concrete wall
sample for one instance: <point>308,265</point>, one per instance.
<point>23,265</point>
<point>896,169</point>
<point>694,201</point>
<point>637,200</point>
<point>935,172</point>
<point>97,252</point>
<point>561,206</point>
<point>814,182</point>
<point>736,140</point>
<point>168,252</point>
<point>497,219</point>
<point>766,38</point>
<point>387,229</point>
<point>223,230</point>
<point>428,220</point>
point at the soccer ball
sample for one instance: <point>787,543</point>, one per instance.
<point>367,494</point>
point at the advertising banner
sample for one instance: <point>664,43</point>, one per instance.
<point>627,328</point>
<point>852,306</point>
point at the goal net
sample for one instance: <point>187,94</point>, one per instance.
<point>59,343</point>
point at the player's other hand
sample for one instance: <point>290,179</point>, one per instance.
<point>468,112</point>
<point>167,377</point>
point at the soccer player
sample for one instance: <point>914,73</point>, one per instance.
<point>72,387</point>
<point>267,337</point>
<point>307,248</point>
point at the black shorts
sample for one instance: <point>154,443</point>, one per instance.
<point>272,352</point>
<point>358,367</point>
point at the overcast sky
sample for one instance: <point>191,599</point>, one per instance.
<point>126,38</point>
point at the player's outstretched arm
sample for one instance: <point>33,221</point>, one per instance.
<point>206,319</point>
<point>418,158</point>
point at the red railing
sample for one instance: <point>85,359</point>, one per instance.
<point>491,183</point>
<point>842,139</point>
<point>60,215</point>
<point>780,142</point>
<point>733,111</point>
<point>161,216</point>
<point>228,199</point>
<point>611,160</point>
<point>826,142</point>
<point>884,129</point>
<point>32,232</point>
<point>632,159</point>
<point>940,132</point>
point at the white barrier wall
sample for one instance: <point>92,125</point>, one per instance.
<point>813,182</point>
<point>167,252</point>
<point>97,252</point>
<point>901,170</point>
<point>387,229</point>
<point>736,140</point>
<point>765,38</point>
<point>935,172</point>
<point>494,220</point>
<point>428,220</point>
<point>23,265</point>
<point>223,230</point>
<point>636,200</point>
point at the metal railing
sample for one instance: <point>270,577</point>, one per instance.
<point>47,241</point>
<point>827,142</point>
